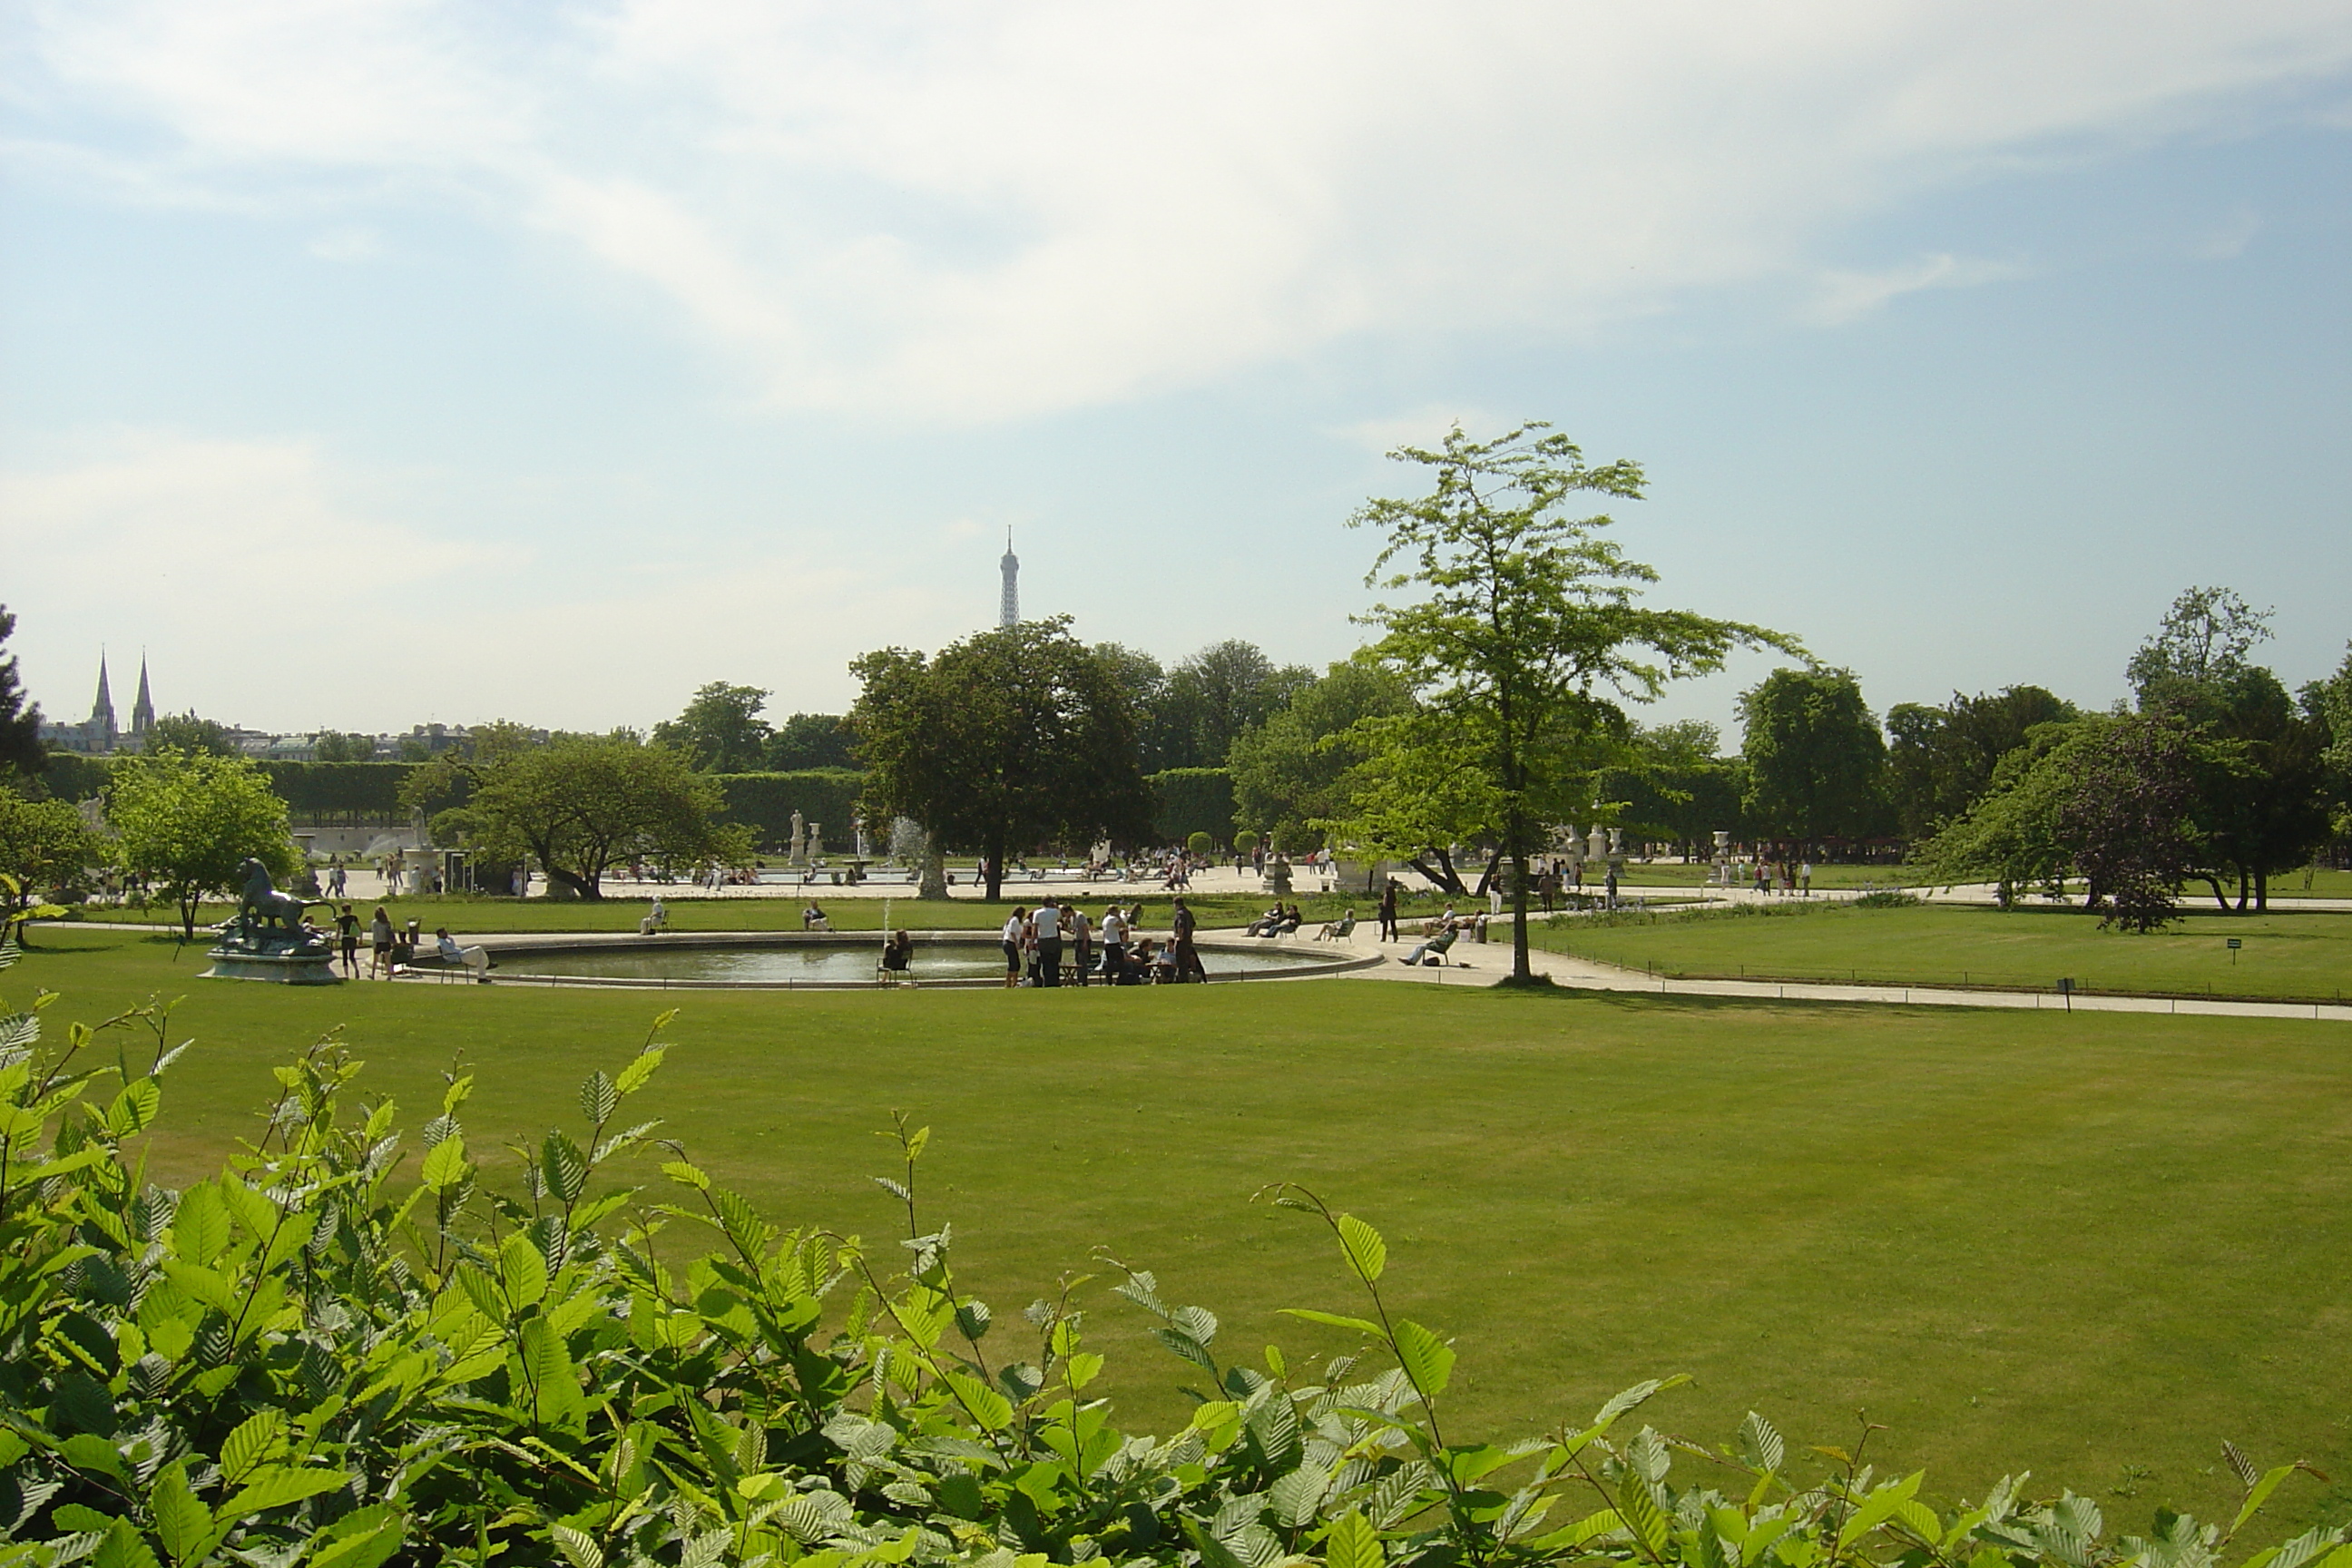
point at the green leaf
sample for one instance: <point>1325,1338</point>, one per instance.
<point>445,1164</point>
<point>1368,1255</point>
<point>1352,1542</point>
<point>1426,1359</point>
<point>641,1068</point>
<point>122,1548</point>
<point>184,1524</point>
<point>578,1549</point>
<point>134,1108</point>
<point>1639,1510</point>
<point>2258,1494</point>
<point>522,1270</point>
<point>200,1227</point>
<point>1333,1319</point>
<point>277,1486</point>
<point>990,1409</point>
<point>1759,1444</point>
<point>599,1098</point>
<point>251,1442</point>
<point>361,1540</point>
<point>566,1166</point>
<point>1879,1508</point>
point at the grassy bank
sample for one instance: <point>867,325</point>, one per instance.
<point>2094,1244</point>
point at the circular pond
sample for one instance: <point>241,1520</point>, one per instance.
<point>852,961</point>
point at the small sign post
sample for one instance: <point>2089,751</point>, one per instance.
<point>2066,989</point>
<point>2234,945</point>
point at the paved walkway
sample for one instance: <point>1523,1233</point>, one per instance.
<point>1486,964</point>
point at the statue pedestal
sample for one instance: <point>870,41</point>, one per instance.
<point>295,968</point>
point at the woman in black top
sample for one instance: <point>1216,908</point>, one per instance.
<point>347,935</point>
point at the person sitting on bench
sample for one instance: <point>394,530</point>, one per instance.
<point>1265,924</point>
<point>657,918</point>
<point>1432,950</point>
<point>897,953</point>
<point>814,917</point>
<point>1337,930</point>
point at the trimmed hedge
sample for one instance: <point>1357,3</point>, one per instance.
<point>764,803</point>
<point>1186,801</point>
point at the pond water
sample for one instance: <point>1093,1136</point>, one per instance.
<point>835,962</point>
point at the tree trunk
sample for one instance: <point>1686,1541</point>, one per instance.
<point>1519,969</point>
<point>993,867</point>
<point>2220,897</point>
<point>580,887</point>
<point>934,880</point>
<point>2262,892</point>
<point>2245,884</point>
<point>1486,878</point>
<point>1447,879</point>
<point>188,918</point>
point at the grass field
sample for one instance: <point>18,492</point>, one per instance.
<point>2093,1246</point>
<point>2305,956</point>
<point>2312,884</point>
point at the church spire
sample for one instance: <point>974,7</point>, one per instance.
<point>143,712</point>
<point>102,713</point>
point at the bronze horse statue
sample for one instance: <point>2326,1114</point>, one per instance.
<point>262,905</point>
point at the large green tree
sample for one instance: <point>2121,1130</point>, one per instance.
<point>45,845</point>
<point>1940,759</point>
<point>1527,637</point>
<point>186,732</point>
<point>804,742</point>
<point>20,721</point>
<point>184,821</point>
<point>2266,807</point>
<point>579,805</point>
<point>1006,740</point>
<point>1675,785</point>
<point>1291,773</point>
<point>721,730</point>
<point>1816,759</point>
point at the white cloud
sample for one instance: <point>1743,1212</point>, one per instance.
<point>1423,427</point>
<point>986,211</point>
<point>1844,296</point>
<point>352,242</point>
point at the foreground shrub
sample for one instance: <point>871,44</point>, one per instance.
<point>330,1356</point>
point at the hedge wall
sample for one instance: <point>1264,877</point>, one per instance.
<point>1186,801</point>
<point>765,802</point>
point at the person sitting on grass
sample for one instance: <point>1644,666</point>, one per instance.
<point>814,918</point>
<point>1432,952</point>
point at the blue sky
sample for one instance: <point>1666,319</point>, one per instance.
<point>393,360</point>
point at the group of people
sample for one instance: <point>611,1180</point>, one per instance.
<point>1115,948</point>
<point>1275,922</point>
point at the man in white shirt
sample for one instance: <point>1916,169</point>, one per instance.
<point>1049,945</point>
<point>1114,943</point>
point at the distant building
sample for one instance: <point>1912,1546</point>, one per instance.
<point>98,734</point>
<point>1008,606</point>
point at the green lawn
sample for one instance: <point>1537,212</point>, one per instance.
<point>1673,874</point>
<point>2094,1246</point>
<point>2305,957</point>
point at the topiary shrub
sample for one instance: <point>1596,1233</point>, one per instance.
<point>333,1355</point>
<point>1244,841</point>
<point>1200,844</point>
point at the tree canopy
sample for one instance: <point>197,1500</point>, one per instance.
<point>721,730</point>
<point>44,845</point>
<point>1291,773</point>
<point>1525,640</point>
<point>1816,759</point>
<point>186,732</point>
<point>20,721</point>
<point>184,821</point>
<point>581,804</point>
<point>805,741</point>
<point>1009,739</point>
<point>1940,759</point>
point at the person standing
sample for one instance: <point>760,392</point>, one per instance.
<point>347,938</point>
<point>335,877</point>
<point>1049,945</point>
<point>1181,925</point>
<point>1609,887</point>
<point>1081,940</point>
<point>1805,878</point>
<point>1016,929</point>
<point>380,940</point>
<point>1114,941</point>
<point>1388,911</point>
